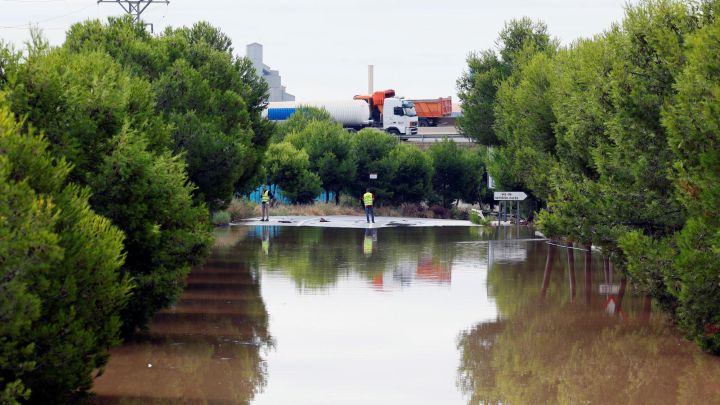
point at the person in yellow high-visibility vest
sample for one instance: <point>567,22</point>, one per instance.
<point>368,200</point>
<point>266,196</point>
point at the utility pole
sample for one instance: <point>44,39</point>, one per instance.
<point>135,7</point>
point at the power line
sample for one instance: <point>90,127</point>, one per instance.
<point>135,7</point>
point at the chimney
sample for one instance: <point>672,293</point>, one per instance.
<point>371,77</point>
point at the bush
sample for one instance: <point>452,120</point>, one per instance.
<point>212,98</point>
<point>460,214</point>
<point>149,197</point>
<point>411,210</point>
<point>242,208</point>
<point>475,217</point>
<point>59,284</point>
<point>221,218</point>
<point>289,168</point>
<point>440,212</point>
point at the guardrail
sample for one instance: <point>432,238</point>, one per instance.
<point>459,138</point>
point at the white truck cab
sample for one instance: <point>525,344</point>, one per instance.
<point>399,117</point>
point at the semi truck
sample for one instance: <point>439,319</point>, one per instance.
<point>383,110</point>
<point>431,111</point>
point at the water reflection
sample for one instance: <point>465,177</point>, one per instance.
<point>317,258</point>
<point>406,315</point>
<point>546,348</point>
<point>206,349</point>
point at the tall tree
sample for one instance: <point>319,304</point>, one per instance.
<point>477,88</point>
<point>212,98</point>
<point>329,148</point>
<point>59,280</point>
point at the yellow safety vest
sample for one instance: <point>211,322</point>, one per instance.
<point>368,199</point>
<point>266,196</point>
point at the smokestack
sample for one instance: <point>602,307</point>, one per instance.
<point>371,77</point>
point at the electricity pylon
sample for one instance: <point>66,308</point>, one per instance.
<point>135,7</point>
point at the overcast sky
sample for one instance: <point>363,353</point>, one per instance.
<point>322,47</point>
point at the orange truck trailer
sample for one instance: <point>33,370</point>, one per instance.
<point>430,111</point>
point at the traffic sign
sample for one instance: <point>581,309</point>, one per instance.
<point>608,289</point>
<point>510,196</point>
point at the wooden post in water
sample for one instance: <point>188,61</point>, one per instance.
<point>621,295</point>
<point>571,270</point>
<point>588,274</point>
<point>548,269</point>
<point>606,269</point>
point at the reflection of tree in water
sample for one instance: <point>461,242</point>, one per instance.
<point>315,258</point>
<point>207,349</point>
<point>559,351</point>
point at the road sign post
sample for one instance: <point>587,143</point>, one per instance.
<point>510,196</point>
<point>504,197</point>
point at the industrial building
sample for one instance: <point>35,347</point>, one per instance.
<point>254,52</point>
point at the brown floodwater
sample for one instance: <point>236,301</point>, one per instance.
<point>406,316</point>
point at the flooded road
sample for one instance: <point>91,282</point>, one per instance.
<point>406,316</point>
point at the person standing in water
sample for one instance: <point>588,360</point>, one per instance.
<point>368,200</point>
<point>266,196</point>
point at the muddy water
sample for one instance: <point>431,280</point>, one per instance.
<point>406,316</point>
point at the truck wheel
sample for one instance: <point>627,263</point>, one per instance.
<point>423,122</point>
<point>393,131</point>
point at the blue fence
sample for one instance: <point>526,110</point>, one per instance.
<point>256,196</point>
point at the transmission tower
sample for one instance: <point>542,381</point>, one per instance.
<point>135,7</point>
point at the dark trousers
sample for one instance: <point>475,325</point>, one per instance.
<point>369,213</point>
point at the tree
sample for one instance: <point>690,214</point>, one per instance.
<point>412,182</point>
<point>692,121</point>
<point>59,277</point>
<point>150,198</point>
<point>301,118</point>
<point>477,88</point>
<point>329,149</point>
<point>455,172</point>
<point>525,121</point>
<point>84,102</point>
<point>289,168</point>
<point>372,148</point>
<point>212,99</point>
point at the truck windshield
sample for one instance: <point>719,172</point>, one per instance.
<point>409,109</point>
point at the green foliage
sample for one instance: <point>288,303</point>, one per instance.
<point>301,118</point>
<point>81,101</point>
<point>289,168</point>
<point>478,87</point>
<point>693,122</point>
<point>59,276</point>
<point>212,99</point>
<point>458,173</point>
<point>221,218</point>
<point>525,124</point>
<point>329,149</point>
<point>618,135</point>
<point>371,149</point>
<point>412,182</point>
<point>149,198</point>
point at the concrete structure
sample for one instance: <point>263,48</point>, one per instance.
<point>254,52</point>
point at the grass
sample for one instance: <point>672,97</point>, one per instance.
<point>240,209</point>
